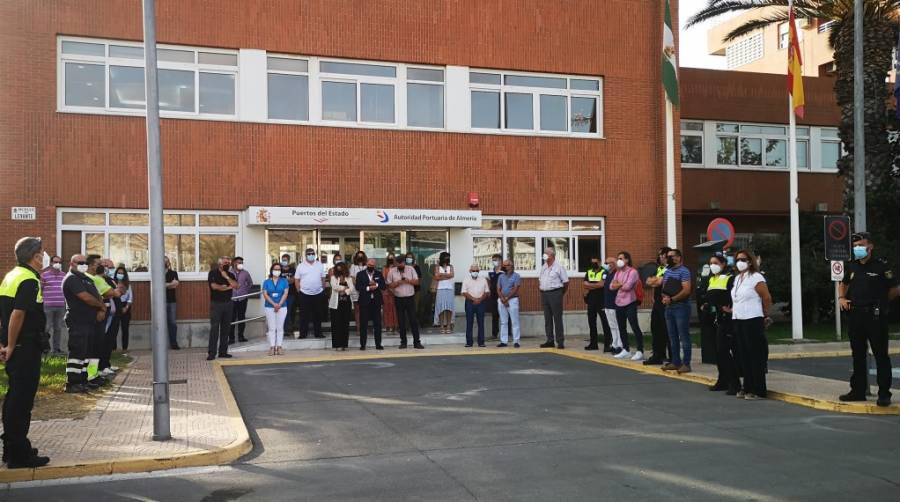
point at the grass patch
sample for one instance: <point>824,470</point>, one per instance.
<point>53,373</point>
<point>780,333</point>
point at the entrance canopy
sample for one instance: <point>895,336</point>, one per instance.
<point>362,217</point>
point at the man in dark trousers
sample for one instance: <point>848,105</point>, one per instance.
<point>869,286</point>
<point>221,284</point>
<point>22,342</point>
<point>84,308</point>
<point>370,284</point>
<point>594,281</point>
<point>658,313</point>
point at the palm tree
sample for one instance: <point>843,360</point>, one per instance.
<point>879,37</point>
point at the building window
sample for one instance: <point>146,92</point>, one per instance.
<point>744,51</point>
<point>358,92</point>
<point>108,76</point>
<point>193,240</point>
<point>288,88</point>
<point>535,103</point>
<point>784,36</point>
<point>691,142</point>
<point>523,240</point>
<point>425,97</point>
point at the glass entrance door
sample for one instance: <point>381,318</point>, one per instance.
<point>291,242</point>
<point>345,242</point>
<point>379,244</point>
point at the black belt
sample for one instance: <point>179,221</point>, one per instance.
<point>550,290</point>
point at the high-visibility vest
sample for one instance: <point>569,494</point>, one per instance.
<point>596,276</point>
<point>718,282</point>
<point>14,278</point>
<point>660,271</point>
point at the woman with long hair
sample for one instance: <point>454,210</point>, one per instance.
<point>275,294</point>
<point>442,275</point>
<point>341,306</point>
<point>389,315</point>
<point>625,282</point>
<point>127,299</point>
<point>749,312</point>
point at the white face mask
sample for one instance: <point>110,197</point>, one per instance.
<point>276,273</point>
<point>474,275</point>
<point>239,266</point>
<point>620,263</point>
<point>545,257</point>
<point>81,268</point>
<point>742,266</point>
<point>496,263</point>
<point>715,268</point>
<point>57,266</point>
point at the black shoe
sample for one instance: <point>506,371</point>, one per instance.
<point>592,347</point>
<point>96,383</point>
<point>560,346</point>
<point>76,389</point>
<point>226,356</point>
<point>501,344</point>
<point>718,387</point>
<point>401,346</point>
<point>884,402</point>
<point>418,345</point>
<point>850,397</point>
<point>482,345</point>
<point>468,345</point>
<point>547,345</point>
<point>242,339</point>
<point>210,357</point>
<point>653,361</point>
<point>379,347</point>
<point>615,350</point>
<point>29,463</point>
<point>175,347</point>
<point>516,345</point>
<point>320,336</point>
<point>362,347</point>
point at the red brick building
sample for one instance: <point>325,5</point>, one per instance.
<point>341,125</point>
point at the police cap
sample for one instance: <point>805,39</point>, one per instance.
<point>858,236</point>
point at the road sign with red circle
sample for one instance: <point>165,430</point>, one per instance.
<point>837,271</point>
<point>720,229</point>
<point>837,238</point>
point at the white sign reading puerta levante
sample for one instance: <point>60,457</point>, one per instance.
<point>362,217</point>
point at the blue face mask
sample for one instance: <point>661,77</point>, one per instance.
<point>310,258</point>
<point>284,263</point>
<point>605,267</point>
<point>409,261</point>
<point>120,276</point>
<point>860,252</point>
<point>729,260</point>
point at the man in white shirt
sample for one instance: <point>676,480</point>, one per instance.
<point>310,284</point>
<point>477,292</point>
<point>553,284</point>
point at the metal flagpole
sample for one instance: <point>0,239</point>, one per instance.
<point>859,137</point>
<point>158,336</point>
<point>671,232</point>
<point>796,292</point>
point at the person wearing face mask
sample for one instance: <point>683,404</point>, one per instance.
<point>493,303</point>
<point>553,284</point>
<point>594,285</point>
<point>609,308</point>
<point>127,300</point>
<point>22,342</point>
<point>477,291</point>
<point>751,302</point>
<point>290,317</point>
<point>718,298</point>
<point>402,279</point>
<point>341,306</point>
<point>625,283</point>
<point>442,275</point>
<point>866,292</point>
<point>370,285</point>
<point>54,304</point>
<point>221,283</point>
<point>676,296</point>
<point>275,293</point>
<point>113,320</point>
<point>309,282</point>
<point>358,265</point>
<point>84,307</point>
<point>658,331</point>
<point>99,342</point>
<point>390,307</point>
<point>508,303</point>
<point>239,308</point>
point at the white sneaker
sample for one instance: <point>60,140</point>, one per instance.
<point>114,368</point>
<point>107,372</point>
<point>638,356</point>
<point>622,355</point>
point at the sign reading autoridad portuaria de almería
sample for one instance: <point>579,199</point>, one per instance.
<point>363,217</point>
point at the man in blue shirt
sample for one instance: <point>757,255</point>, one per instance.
<point>508,284</point>
<point>676,296</point>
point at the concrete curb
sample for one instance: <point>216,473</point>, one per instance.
<point>215,456</point>
<point>812,355</point>
<point>810,402</point>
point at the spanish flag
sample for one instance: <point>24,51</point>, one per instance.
<point>795,66</point>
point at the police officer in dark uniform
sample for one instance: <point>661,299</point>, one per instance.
<point>661,347</point>
<point>22,341</point>
<point>868,287</point>
<point>594,282</point>
<point>84,309</point>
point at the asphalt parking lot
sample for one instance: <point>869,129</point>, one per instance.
<point>835,368</point>
<point>517,427</point>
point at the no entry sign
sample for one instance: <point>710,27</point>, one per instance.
<point>837,238</point>
<point>720,229</point>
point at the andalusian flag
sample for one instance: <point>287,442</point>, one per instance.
<point>669,66</point>
<point>795,65</point>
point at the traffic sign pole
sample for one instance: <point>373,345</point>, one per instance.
<point>837,311</point>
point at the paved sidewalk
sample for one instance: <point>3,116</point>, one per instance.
<point>207,427</point>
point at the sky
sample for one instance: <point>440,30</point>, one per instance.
<point>692,43</point>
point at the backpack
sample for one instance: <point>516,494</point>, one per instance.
<point>639,291</point>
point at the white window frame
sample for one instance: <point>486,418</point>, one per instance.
<point>698,134</point>
<point>539,236</point>
<point>196,230</point>
<point>309,84</point>
<point>107,61</point>
<point>811,135</point>
<point>405,92</point>
<point>536,93</point>
<point>358,80</point>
